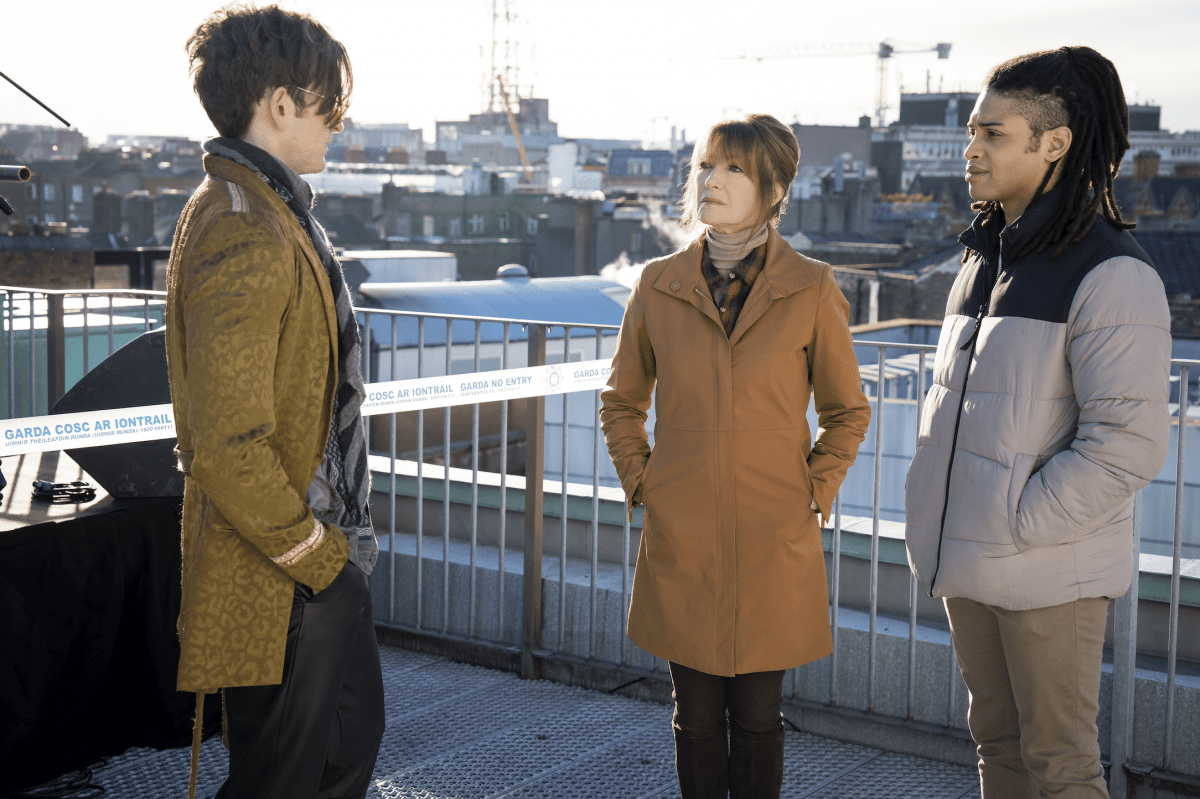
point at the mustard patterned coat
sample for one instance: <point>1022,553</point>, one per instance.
<point>251,333</point>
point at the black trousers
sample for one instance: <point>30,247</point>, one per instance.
<point>748,762</point>
<point>316,735</point>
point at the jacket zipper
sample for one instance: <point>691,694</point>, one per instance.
<point>969,344</point>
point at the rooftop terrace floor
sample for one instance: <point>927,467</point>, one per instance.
<point>456,731</point>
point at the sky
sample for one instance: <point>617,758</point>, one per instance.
<point>626,69</point>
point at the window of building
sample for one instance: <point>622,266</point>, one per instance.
<point>76,193</point>
<point>637,166</point>
<point>403,224</point>
<point>48,192</point>
<point>51,219</point>
<point>635,243</point>
<point>456,226</point>
<point>427,226</point>
<point>476,224</point>
<point>503,223</point>
<point>531,225</point>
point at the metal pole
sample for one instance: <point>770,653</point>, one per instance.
<point>474,487</point>
<point>10,318</point>
<point>835,559</point>
<point>595,507</point>
<point>912,578</point>
<point>392,489</point>
<point>503,496</point>
<point>111,343</point>
<point>871,640</point>
<point>420,479</point>
<point>32,356</point>
<point>625,537</point>
<point>1125,668</point>
<point>366,373</point>
<point>562,545</point>
<point>1176,558</point>
<point>56,351</point>
<point>535,433</point>
<point>86,334</point>
<point>446,489</point>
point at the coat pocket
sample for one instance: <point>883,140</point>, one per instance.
<point>214,519</point>
<point>639,493</point>
<point>806,476</point>
<point>1023,466</point>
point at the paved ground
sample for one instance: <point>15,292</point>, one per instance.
<point>462,732</point>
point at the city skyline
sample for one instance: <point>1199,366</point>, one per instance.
<point>620,69</point>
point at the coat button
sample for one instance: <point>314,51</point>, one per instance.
<point>675,286</point>
<point>723,309</point>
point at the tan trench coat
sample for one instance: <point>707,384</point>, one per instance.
<point>251,327</point>
<point>730,575</point>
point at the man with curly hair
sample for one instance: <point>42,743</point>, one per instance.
<point>265,369</point>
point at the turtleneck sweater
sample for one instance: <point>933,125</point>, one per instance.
<point>726,249</point>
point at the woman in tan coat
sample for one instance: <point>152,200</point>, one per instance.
<point>732,334</point>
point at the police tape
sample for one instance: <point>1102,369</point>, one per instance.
<point>153,422</point>
<point>86,429</point>
<point>531,381</point>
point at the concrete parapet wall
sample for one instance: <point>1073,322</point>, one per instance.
<point>854,585</point>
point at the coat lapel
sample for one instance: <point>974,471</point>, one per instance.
<point>683,279</point>
<point>327,299</point>
<point>784,273</point>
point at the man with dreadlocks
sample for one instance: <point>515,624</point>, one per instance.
<point>265,357</point>
<point>1048,411</point>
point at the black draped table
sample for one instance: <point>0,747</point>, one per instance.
<point>89,595</point>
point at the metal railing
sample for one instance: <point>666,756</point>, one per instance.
<point>891,381</point>
<point>52,338</point>
<point>575,583</point>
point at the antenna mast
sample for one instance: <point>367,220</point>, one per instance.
<point>505,54</point>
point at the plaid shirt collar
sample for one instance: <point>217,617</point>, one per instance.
<point>729,293</point>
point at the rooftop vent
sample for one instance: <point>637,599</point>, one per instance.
<point>512,272</point>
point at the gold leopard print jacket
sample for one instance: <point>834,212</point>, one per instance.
<point>251,329</point>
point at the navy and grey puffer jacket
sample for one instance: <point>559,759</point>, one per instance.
<point>1048,411</point>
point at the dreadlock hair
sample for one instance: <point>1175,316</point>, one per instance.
<point>1079,88</point>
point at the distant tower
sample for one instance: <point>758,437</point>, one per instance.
<point>505,55</point>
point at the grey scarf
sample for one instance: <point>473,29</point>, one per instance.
<point>346,450</point>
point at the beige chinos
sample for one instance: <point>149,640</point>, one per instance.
<point>1034,682</point>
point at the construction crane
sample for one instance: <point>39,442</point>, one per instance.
<point>516,130</point>
<point>883,51</point>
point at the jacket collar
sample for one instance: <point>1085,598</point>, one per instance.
<point>233,172</point>
<point>784,273</point>
<point>259,160</point>
<point>1013,236</point>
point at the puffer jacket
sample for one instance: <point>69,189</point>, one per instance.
<point>1047,412</point>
